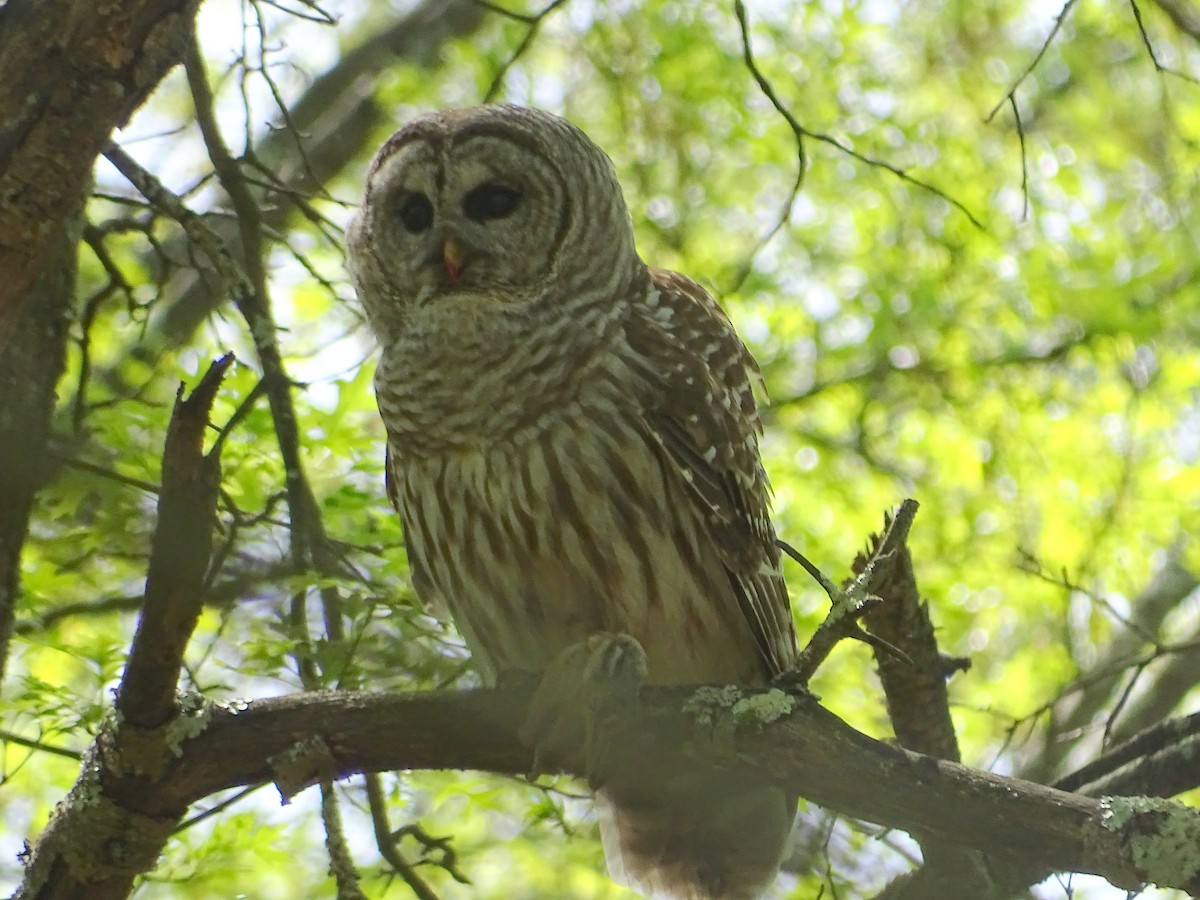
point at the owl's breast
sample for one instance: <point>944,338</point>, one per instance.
<point>453,385</point>
<point>578,527</point>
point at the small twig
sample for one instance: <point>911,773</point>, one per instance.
<point>442,845</point>
<point>218,808</point>
<point>848,604</point>
<point>285,112</point>
<point>535,23</point>
<point>785,216</point>
<point>1012,100</point>
<point>240,413</point>
<point>1029,563</point>
<point>1119,706</point>
<point>386,842</point>
<point>52,615</point>
<point>319,16</point>
<point>818,576</point>
<point>1058,21</point>
<point>801,132</point>
<point>527,18</point>
<point>111,474</point>
<point>798,130</point>
<point>1159,67</point>
<point>8,737</point>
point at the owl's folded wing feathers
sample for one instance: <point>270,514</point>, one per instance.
<point>700,407</point>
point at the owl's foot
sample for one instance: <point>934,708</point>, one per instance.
<point>517,679</point>
<point>585,689</point>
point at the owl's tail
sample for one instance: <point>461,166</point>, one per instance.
<point>696,839</point>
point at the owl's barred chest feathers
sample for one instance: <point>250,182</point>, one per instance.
<point>460,385</point>
<point>542,497</point>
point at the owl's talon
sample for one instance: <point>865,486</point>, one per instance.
<point>585,688</point>
<point>517,679</point>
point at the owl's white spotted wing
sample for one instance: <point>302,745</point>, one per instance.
<point>699,405</point>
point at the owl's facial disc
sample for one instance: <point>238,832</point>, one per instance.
<point>473,219</point>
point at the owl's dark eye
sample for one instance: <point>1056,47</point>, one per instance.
<point>415,212</point>
<point>491,200</point>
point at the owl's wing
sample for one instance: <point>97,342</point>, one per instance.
<point>699,405</point>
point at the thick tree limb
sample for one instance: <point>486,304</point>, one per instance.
<point>98,839</point>
<point>1157,762</point>
<point>70,70</point>
<point>809,749</point>
<point>918,704</point>
<point>31,363</point>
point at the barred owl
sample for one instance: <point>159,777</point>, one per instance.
<point>573,447</point>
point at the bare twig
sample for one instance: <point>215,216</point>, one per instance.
<point>48,617</point>
<point>850,603</point>
<point>801,132</point>
<point>785,216</point>
<point>1012,100</point>
<point>386,843</point>
<point>527,18</point>
<point>9,737</point>
<point>218,808</point>
<point>318,15</point>
<point>84,465</point>
<point>1058,21</point>
<point>535,23</point>
<point>1158,66</point>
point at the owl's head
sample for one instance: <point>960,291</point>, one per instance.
<point>482,210</point>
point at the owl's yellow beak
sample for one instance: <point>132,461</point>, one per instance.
<point>453,258</point>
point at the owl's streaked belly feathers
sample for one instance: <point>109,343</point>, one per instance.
<point>536,543</point>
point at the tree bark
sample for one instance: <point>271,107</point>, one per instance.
<point>305,739</point>
<point>31,363</point>
<point>70,71</point>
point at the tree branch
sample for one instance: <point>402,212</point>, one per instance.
<point>1185,16</point>
<point>914,685</point>
<point>1083,701</point>
<point>101,837</point>
<point>918,704</point>
<point>31,364</point>
<point>328,126</point>
<point>809,750</point>
<point>187,507</point>
<point>800,132</point>
<point>69,72</point>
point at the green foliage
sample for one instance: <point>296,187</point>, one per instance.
<point>1031,380</point>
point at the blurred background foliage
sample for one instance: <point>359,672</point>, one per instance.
<point>1007,332</point>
